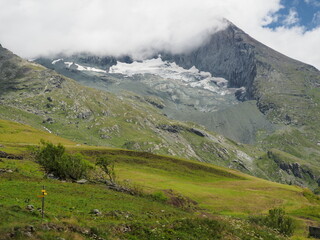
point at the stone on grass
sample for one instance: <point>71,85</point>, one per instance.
<point>30,207</point>
<point>96,212</point>
<point>82,181</point>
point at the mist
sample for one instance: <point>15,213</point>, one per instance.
<point>140,28</point>
<point>43,27</point>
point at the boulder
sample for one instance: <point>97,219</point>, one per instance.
<point>30,207</point>
<point>95,212</point>
<point>82,181</point>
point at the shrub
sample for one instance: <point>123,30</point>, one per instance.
<point>55,160</point>
<point>107,165</point>
<point>317,191</point>
<point>277,220</point>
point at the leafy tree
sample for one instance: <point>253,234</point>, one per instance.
<point>107,165</point>
<point>55,160</point>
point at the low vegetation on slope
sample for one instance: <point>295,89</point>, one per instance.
<point>169,198</point>
<point>32,94</point>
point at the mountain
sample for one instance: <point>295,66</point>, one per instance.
<point>172,104</point>
<point>185,93</point>
<point>279,85</point>
<point>232,85</point>
<point>286,91</point>
<point>276,81</point>
<point>33,94</point>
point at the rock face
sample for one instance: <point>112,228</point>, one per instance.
<point>292,168</point>
<point>9,156</point>
<point>245,62</point>
<point>226,55</point>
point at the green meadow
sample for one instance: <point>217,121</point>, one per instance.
<point>173,198</point>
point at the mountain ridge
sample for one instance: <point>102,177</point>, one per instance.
<point>142,115</point>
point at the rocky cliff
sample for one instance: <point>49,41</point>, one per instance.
<point>226,54</point>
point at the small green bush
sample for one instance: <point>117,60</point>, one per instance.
<point>317,191</point>
<point>107,165</point>
<point>55,160</point>
<point>277,220</point>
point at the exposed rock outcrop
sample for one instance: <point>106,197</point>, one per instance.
<point>226,55</point>
<point>10,156</point>
<point>295,169</point>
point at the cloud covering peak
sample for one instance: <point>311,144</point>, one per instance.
<point>139,28</point>
<point>37,27</point>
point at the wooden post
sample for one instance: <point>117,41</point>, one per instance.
<point>43,194</point>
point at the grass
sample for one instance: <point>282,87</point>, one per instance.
<point>224,197</point>
<point>17,133</point>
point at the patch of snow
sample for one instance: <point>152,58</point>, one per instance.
<point>58,60</point>
<point>83,68</point>
<point>47,129</point>
<point>91,69</point>
<point>193,77</point>
<point>79,67</point>
<point>158,67</point>
<point>68,64</point>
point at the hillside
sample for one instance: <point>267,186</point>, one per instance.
<point>277,106</point>
<point>219,200</point>
<point>42,98</point>
<point>33,94</point>
<point>286,90</point>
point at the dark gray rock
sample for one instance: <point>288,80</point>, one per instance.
<point>48,120</point>
<point>9,156</point>
<point>171,128</point>
<point>84,115</point>
<point>197,132</point>
<point>314,232</point>
<point>30,229</point>
<point>295,169</point>
<point>52,176</point>
<point>226,55</point>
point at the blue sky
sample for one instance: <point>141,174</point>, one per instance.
<point>304,13</point>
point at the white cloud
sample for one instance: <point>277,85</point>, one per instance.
<point>291,18</point>
<point>294,42</point>
<point>316,18</point>
<point>35,27</point>
<point>315,3</point>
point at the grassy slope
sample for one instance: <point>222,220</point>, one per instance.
<point>218,191</point>
<point>32,94</point>
<point>288,92</point>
